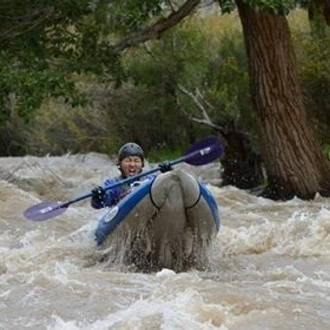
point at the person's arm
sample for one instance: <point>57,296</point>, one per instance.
<point>102,197</point>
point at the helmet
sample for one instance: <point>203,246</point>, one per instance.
<point>130,149</point>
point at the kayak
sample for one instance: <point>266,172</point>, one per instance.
<point>167,222</point>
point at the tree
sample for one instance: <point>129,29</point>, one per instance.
<point>294,161</point>
<point>44,45</point>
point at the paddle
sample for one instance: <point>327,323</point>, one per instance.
<point>200,153</point>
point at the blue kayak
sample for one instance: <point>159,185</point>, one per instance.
<point>174,215</point>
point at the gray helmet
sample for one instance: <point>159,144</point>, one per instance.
<point>130,149</point>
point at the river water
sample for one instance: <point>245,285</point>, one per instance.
<point>269,266</point>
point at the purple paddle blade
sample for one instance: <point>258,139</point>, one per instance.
<point>204,152</point>
<point>44,211</point>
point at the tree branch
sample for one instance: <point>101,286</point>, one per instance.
<point>206,120</point>
<point>156,30</point>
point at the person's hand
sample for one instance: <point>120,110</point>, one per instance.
<point>165,167</point>
<point>98,193</point>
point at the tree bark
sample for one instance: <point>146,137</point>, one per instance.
<point>293,157</point>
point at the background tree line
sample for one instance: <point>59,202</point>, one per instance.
<point>81,76</point>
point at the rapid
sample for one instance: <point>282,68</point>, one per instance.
<point>269,266</point>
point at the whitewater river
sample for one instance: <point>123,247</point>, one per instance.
<point>269,266</point>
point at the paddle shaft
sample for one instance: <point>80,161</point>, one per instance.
<point>200,153</point>
<point>138,176</point>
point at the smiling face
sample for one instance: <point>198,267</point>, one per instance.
<point>131,165</point>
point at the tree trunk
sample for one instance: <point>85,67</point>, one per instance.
<point>293,158</point>
<point>242,166</point>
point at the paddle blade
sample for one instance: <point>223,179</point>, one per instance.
<point>44,211</point>
<point>204,152</point>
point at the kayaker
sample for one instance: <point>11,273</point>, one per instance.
<point>130,163</point>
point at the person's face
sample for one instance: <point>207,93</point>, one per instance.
<point>131,165</point>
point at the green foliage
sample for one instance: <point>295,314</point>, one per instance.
<point>48,46</point>
<point>145,108</point>
<point>276,7</point>
<point>228,82</point>
<point>150,108</point>
<point>227,6</point>
<point>44,45</point>
<point>30,85</point>
<point>125,16</point>
<point>313,56</point>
